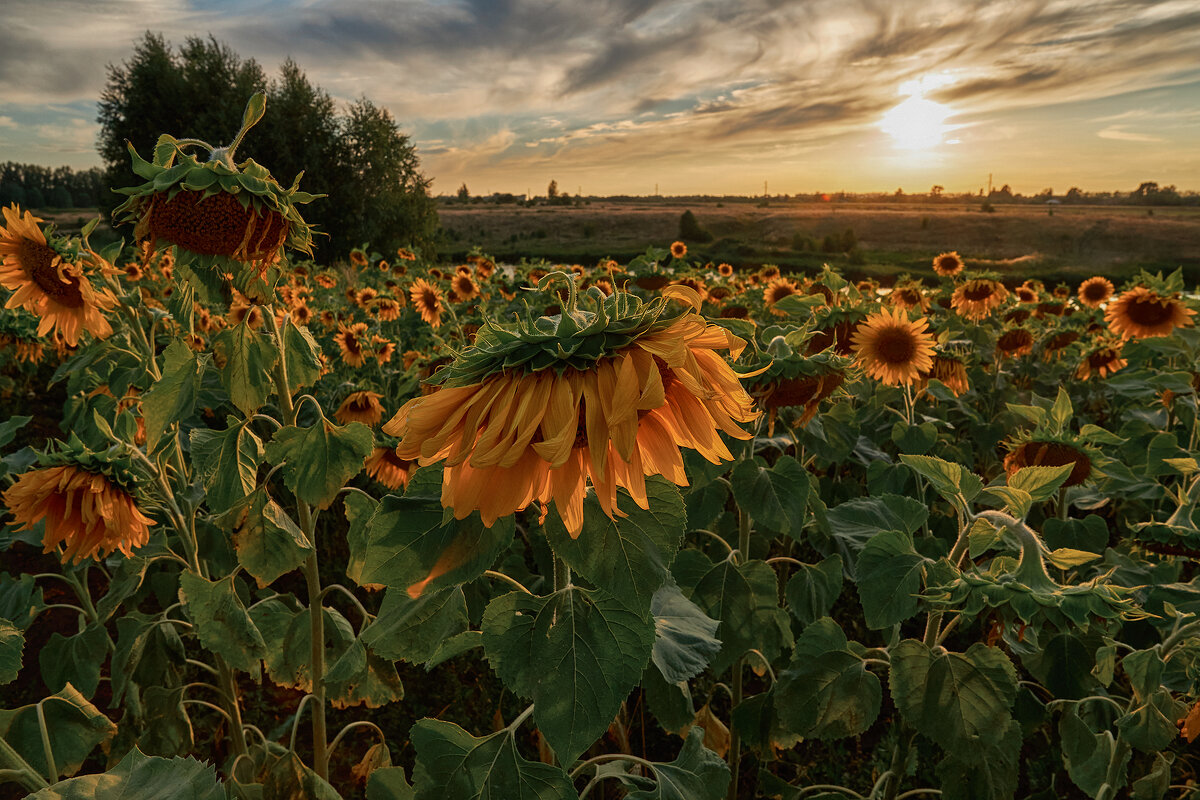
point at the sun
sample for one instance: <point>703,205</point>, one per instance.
<point>917,123</point>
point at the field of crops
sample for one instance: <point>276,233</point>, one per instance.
<point>278,527</point>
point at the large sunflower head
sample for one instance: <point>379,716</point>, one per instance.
<point>892,349</point>
<point>1142,313</point>
<point>606,393</point>
<point>89,506</point>
<point>948,264</point>
<point>47,279</point>
<point>976,298</point>
<point>216,209</point>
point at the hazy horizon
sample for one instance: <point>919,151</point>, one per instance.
<point>696,96</point>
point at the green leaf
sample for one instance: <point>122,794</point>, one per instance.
<point>12,646</point>
<point>301,355</point>
<point>684,636</point>
<point>414,629</point>
<point>890,571</point>
<point>221,621</point>
<point>268,543</point>
<point>227,461</point>
<point>75,727</point>
<point>629,557</point>
<point>173,397</point>
<point>994,777</point>
<point>452,763</point>
<point>1040,482</point>
<point>948,479</point>
<point>319,460</point>
<point>826,692</point>
<point>74,660</point>
<point>743,598</point>
<point>960,700</point>
<point>141,777</point>
<point>697,774</point>
<point>1087,755</point>
<point>576,653</point>
<point>249,359</point>
<point>814,588</point>
<point>776,496</point>
<point>409,546</point>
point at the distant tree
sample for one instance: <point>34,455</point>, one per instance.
<point>464,194</point>
<point>360,160</point>
<point>552,190</point>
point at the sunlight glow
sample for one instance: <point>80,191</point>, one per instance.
<point>917,123</point>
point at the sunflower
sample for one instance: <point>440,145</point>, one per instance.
<point>537,408</point>
<point>892,349</point>
<point>1049,454</point>
<point>427,300</point>
<point>725,270</point>
<point>361,407</point>
<point>951,371</point>
<point>44,283</point>
<point>1014,343</point>
<point>976,298</point>
<point>85,511</point>
<point>350,340</point>
<point>1094,291</point>
<point>678,249</point>
<point>776,290</point>
<point>1142,314</point>
<point>948,264</point>
<point>464,286</point>
<point>1103,359</point>
<point>389,469</point>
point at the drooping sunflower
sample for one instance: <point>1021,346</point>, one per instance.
<point>45,283</point>
<point>1094,291</point>
<point>427,300</point>
<point>948,264</point>
<point>362,406</point>
<point>892,349</point>
<point>678,249</point>
<point>351,340</point>
<point>536,409</point>
<point>389,469</point>
<point>1142,313</point>
<point>1102,360</point>
<point>1014,343</point>
<point>976,298</point>
<point>90,513</point>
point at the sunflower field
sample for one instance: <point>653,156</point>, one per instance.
<point>277,527</point>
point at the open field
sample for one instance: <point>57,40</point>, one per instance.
<point>1072,243</point>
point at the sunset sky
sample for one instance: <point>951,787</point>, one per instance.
<point>698,96</point>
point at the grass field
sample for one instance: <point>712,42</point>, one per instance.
<point>1073,243</point>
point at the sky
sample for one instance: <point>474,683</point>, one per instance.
<point>682,96</point>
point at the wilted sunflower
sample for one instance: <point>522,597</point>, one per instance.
<point>361,407</point>
<point>1094,291</point>
<point>88,512</point>
<point>427,300</point>
<point>536,409</point>
<point>1142,313</point>
<point>1014,343</point>
<point>1103,359</point>
<point>351,341</point>
<point>951,371</point>
<point>389,469</point>
<point>892,349</point>
<point>46,284</point>
<point>678,249</point>
<point>948,264</point>
<point>976,298</point>
<point>776,290</point>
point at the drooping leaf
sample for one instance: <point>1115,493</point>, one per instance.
<point>684,636</point>
<point>320,459</point>
<point>410,546</point>
<point>813,589</point>
<point>960,700</point>
<point>776,496</point>
<point>141,777</point>
<point>227,461</point>
<point>221,621</point>
<point>452,763</point>
<point>629,557</point>
<point>576,653</point>
<point>826,692</point>
<point>889,574</point>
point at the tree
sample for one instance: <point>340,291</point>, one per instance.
<point>552,190</point>
<point>201,90</point>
